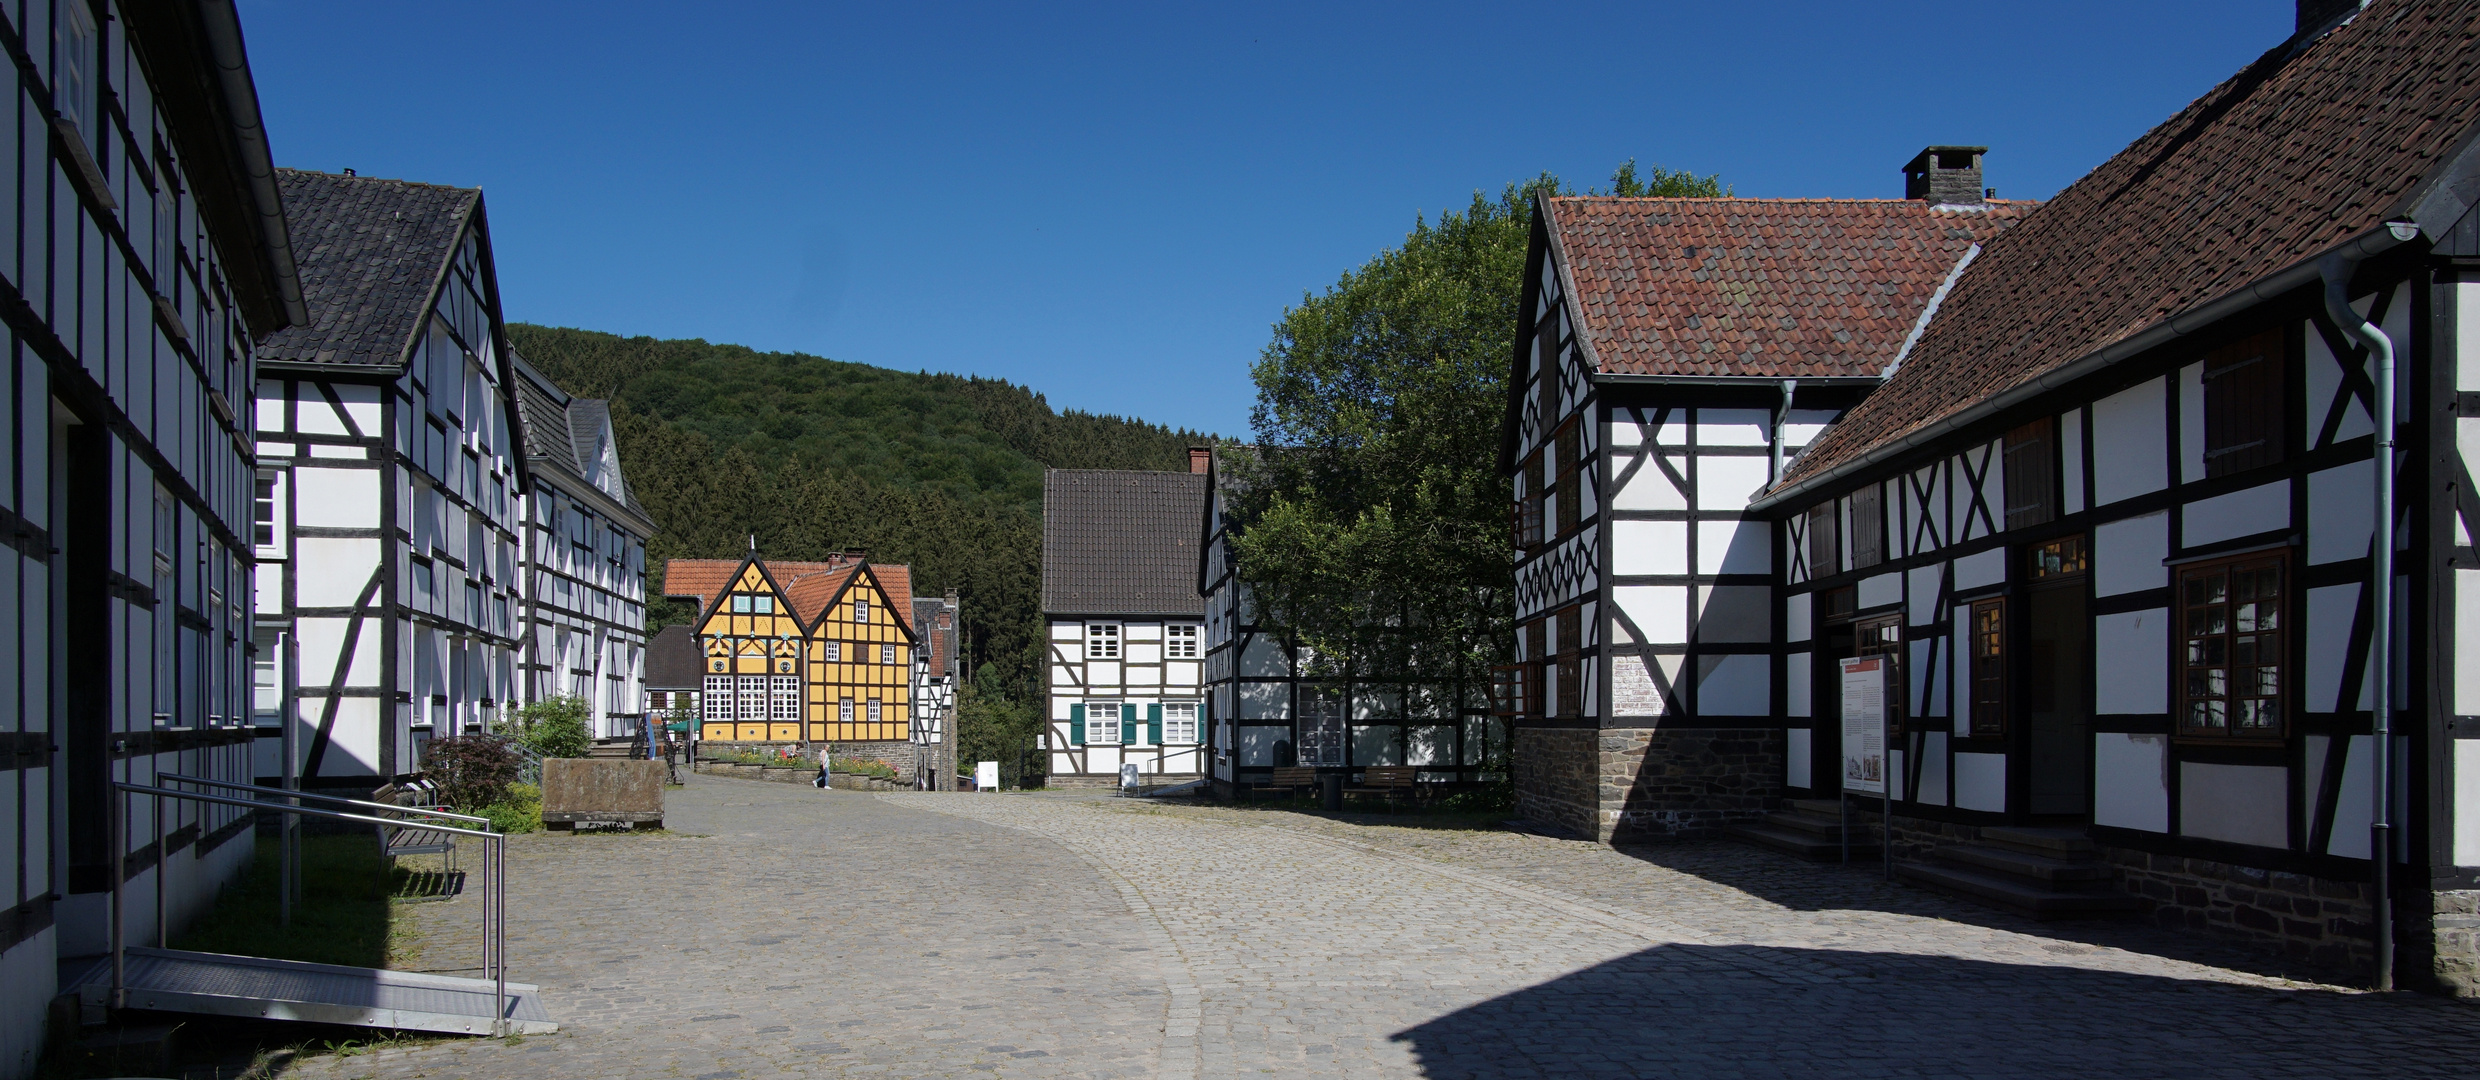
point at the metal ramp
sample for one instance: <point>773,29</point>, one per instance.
<point>214,984</point>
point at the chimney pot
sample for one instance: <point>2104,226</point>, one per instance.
<point>1946,176</point>
<point>1200,458</point>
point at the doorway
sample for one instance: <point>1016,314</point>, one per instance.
<point>2058,682</point>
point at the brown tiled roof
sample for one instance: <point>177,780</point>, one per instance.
<point>2283,161</point>
<point>370,252</point>
<point>808,586</point>
<point>700,579</point>
<point>1772,287</point>
<point>1121,542</point>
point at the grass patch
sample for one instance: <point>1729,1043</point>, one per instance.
<point>344,915</point>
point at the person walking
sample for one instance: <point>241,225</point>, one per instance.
<point>821,781</point>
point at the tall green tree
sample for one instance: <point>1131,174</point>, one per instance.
<point>1375,520</point>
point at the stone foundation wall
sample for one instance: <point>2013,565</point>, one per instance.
<point>1558,778</point>
<point>1662,783</point>
<point>2455,926</point>
<point>2325,922</point>
<point>905,756</point>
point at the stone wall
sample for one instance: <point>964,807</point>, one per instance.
<point>906,757</point>
<point>2455,924</point>
<point>2322,921</point>
<point>1558,778</point>
<point>1660,783</point>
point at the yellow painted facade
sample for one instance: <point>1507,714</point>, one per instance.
<point>861,667</point>
<point>753,636</point>
<point>846,678</point>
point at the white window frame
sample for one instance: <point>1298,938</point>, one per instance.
<point>835,652</point>
<point>1102,641</point>
<point>1183,641</point>
<point>752,690</point>
<point>1110,731</point>
<point>877,711</point>
<point>784,699</point>
<point>1179,730</point>
<point>844,711</point>
<point>861,609</point>
<point>717,700</point>
<point>281,481</point>
<point>887,652</point>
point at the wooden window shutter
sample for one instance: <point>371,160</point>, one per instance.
<point>1076,725</point>
<point>1868,526</point>
<point>1127,724</point>
<point>1824,556</point>
<point>2031,475</point>
<point>1153,725</point>
<point>1546,334</point>
<point>2243,404</point>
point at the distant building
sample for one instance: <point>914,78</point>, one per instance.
<point>673,672</point>
<point>390,482</point>
<point>1126,625</point>
<point>936,671</point>
<point>585,560</point>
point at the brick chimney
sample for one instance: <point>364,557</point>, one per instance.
<point>2318,14</point>
<point>1200,458</point>
<point>1946,176</point>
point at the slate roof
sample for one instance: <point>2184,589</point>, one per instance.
<point>807,586</point>
<point>369,252</point>
<point>672,659</point>
<point>1121,542</point>
<point>940,641</point>
<point>1771,287</point>
<point>565,434</point>
<point>2279,163</point>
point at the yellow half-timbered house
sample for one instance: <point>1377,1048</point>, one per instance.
<point>800,652</point>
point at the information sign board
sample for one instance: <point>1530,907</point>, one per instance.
<point>1864,724</point>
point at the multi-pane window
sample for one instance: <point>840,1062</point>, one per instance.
<point>1988,652</point>
<point>1102,722</point>
<point>1571,479</point>
<point>263,515</point>
<point>1571,687</point>
<point>753,697</point>
<point>2231,656</point>
<point>740,604</point>
<point>2031,475</point>
<point>861,609</point>
<point>2059,558</point>
<point>835,652</point>
<point>887,653</point>
<point>1825,553</point>
<point>763,605</point>
<point>874,710</point>
<point>844,710</point>
<point>785,701</point>
<point>719,696</point>
<point>1546,346</point>
<point>73,78</point>
<point>2243,402</point>
<point>1179,723</point>
<point>1102,641</point>
<point>1180,642</point>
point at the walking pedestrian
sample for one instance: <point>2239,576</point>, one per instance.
<point>821,781</point>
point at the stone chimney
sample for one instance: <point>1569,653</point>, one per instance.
<point>1200,458</point>
<point>1946,176</point>
<point>2318,14</point>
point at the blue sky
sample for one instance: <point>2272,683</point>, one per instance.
<point>1113,204</point>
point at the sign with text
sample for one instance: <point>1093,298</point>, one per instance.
<point>1864,724</point>
<point>986,776</point>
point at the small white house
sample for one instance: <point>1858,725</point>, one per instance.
<point>1125,683</point>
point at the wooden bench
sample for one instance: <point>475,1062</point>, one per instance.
<point>400,840</point>
<point>1292,779</point>
<point>1389,781</point>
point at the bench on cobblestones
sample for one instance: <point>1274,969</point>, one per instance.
<point>1292,780</point>
<point>1388,781</point>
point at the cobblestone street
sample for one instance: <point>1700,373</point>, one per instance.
<point>784,931</point>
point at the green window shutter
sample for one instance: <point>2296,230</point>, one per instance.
<point>1153,725</point>
<point>1076,725</point>
<point>1127,724</point>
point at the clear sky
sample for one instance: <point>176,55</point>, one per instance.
<point>1112,205</point>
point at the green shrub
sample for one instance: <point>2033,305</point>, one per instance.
<point>862,767</point>
<point>471,770</point>
<point>555,727</point>
<point>518,810</point>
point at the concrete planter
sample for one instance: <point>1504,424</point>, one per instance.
<point>601,790</point>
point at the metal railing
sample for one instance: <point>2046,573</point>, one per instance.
<point>289,868</point>
<point>494,868</point>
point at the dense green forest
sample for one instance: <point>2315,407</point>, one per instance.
<point>813,456</point>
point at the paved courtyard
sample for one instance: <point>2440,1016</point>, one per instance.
<point>783,931</point>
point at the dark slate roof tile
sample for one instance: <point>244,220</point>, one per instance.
<point>1121,542</point>
<point>369,251</point>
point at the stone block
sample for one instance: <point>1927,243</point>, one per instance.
<point>602,789</point>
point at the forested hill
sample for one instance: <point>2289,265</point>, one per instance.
<point>813,456</point>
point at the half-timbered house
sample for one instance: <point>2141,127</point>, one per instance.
<point>1125,625</point>
<point>2112,521</point>
<point>143,258</point>
<point>937,672</point>
<point>1670,355</point>
<point>674,672</point>
<point>1270,708</point>
<point>804,652</point>
<point>584,560</point>
<point>389,482</point>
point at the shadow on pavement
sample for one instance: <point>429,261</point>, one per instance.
<point>1755,1011</point>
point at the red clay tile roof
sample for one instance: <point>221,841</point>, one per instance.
<point>2283,161</point>
<point>1774,287</point>
<point>808,586</point>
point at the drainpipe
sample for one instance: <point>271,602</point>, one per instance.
<point>1782,416</point>
<point>2336,270</point>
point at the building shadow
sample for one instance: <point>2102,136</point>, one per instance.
<point>1801,885</point>
<point>1750,1011</point>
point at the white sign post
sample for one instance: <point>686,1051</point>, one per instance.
<point>1866,680</point>
<point>986,776</point>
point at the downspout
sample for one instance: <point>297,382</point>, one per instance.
<point>1782,415</point>
<point>2336,270</point>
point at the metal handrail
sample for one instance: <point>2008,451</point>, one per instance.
<point>494,893</point>
<point>290,793</point>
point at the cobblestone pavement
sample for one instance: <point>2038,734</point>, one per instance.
<point>834,934</point>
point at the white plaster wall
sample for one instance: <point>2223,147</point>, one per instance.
<point>28,975</point>
<point>1727,483</point>
<point>1796,685</point>
<point>1880,590</point>
<point>1257,744</point>
<point>1649,547</point>
<point>321,640</point>
<point>2466,810</point>
<point>1921,589</point>
<point>2131,781</point>
<point>1265,701</point>
<point>1660,611</point>
<point>1731,686</point>
<point>353,743</point>
<point>1651,489</point>
<point>331,572</point>
<point>1797,746</point>
<point>1734,547</point>
<point>2242,804</point>
<point>1976,571</point>
<point>2329,635</point>
<point>2130,666</point>
<point>2129,457</point>
<point>1734,613</point>
<point>2340,513</point>
<point>1263,657</point>
<point>2127,554</point>
<point>2246,512</point>
<point>1733,427</point>
<point>1068,631</point>
<point>1796,614</point>
<point>1980,782</point>
<point>1933,768</point>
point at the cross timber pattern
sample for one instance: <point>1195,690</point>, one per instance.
<point>849,671</point>
<point>1184,942</point>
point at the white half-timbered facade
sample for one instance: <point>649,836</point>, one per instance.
<point>937,670</point>
<point>2116,521</point>
<point>1125,627</point>
<point>584,561</point>
<point>143,258</point>
<point>1672,354</point>
<point>390,484</point>
<point>1270,710</point>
